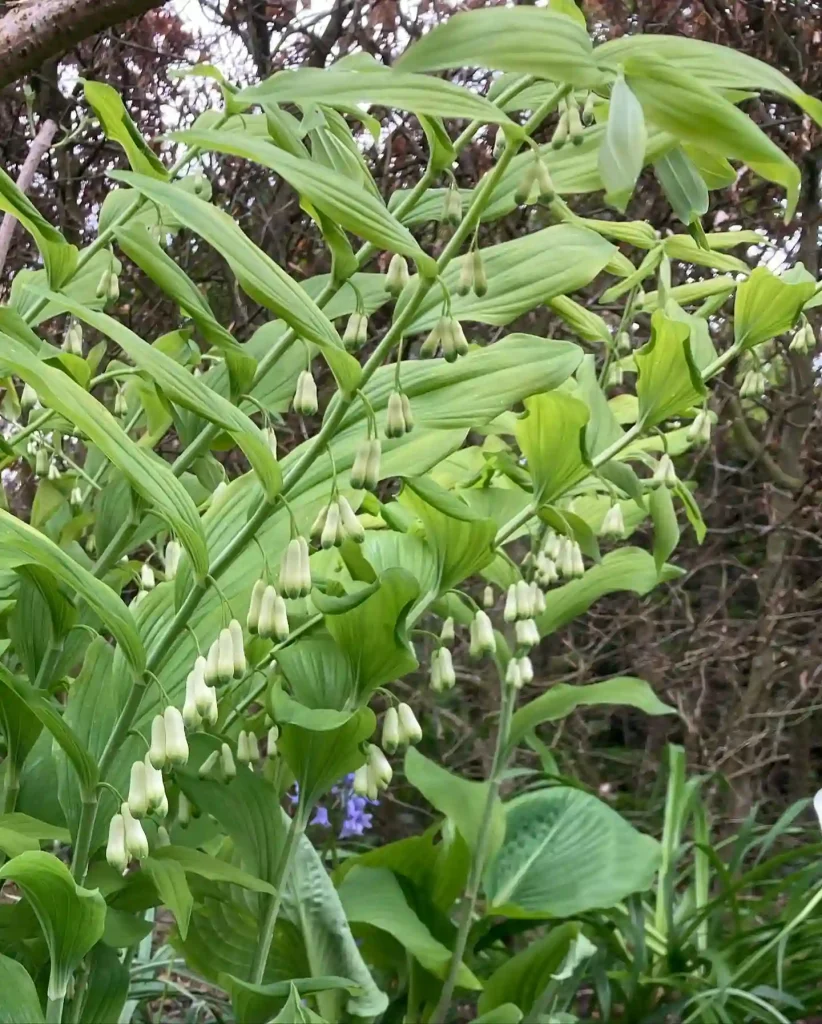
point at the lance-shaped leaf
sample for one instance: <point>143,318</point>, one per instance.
<point>72,918</point>
<point>552,438</point>
<point>386,87</point>
<point>186,390</point>
<point>82,286</point>
<point>528,39</point>
<point>59,257</point>
<point>346,202</point>
<point>20,1002</point>
<point>669,382</point>
<point>623,148</point>
<point>118,126</point>
<point>683,185</point>
<point>257,273</point>
<point>148,474</point>
<point>767,305</point>
<point>154,261</point>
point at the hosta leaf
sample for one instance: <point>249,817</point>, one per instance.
<point>71,917</point>
<point>623,148</point>
<point>669,382</point>
<point>767,305</point>
<point>566,852</point>
<point>20,1004</point>
<point>149,475</point>
<point>59,257</point>
<point>562,699</point>
<point>527,39</point>
<point>183,388</point>
<point>347,203</point>
<point>26,546</point>
<point>118,125</point>
<point>551,436</point>
<point>257,273</point>
<point>381,86</point>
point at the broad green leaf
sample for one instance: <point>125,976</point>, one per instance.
<point>19,1003</point>
<point>257,273</point>
<point>381,86</point>
<point>320,677</point>
<point>522,978</point>
<point>70,916</point>
<point>195,862</point>
<point>623,148</point>
<point>154,261</point>
<point>566,852</point>
<point>26,546</point>
<point>626,568</point>
<point>767,305</point>
<point>186,390</point>
<point>148,474</point>
<point>695,114</point>
<point>602,429</point>
<point>440,499</point>
<point>117,125</point>
<point>169,879</point>
<point>682,184</point>
<point>715,171</point>
<point>526,39</point>
<point>313,904</point>
<point>562,699</point>
<point>20,832</point>
<point>256,1004</point>
<point>460,800</point>
<point>106,988</point>
<point>373,896</point>
<point>666,527</point>
<point>669,382</point>
<point>295,1012</point>
<point>570,10</point>
<point>348,204</point>
<point>720,67</point>
<point>551,436</point>
<point>59,258</point>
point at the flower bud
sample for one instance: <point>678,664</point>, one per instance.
<point>435,673</point>
<point>527,182</point>
<point>565,558</point>
<point>176,743</point>
<point>510,612</point>
<point>445,336</point>
<point>331,533</point>
<point>243,755</point>
<point>544,182</point>
<point>578,565</point>
<point>102,285</point>
<point>372,478</point>
<point>227,764</point>
<point>360,784</point>
<point>486,642</point>
<point>465,281</point>
<point>623,343</point>
<point>207,767</point>
<point>551,545</point>
<point>212,670</point>
<point>391,730</point>
<point>588,108</point>
<point>410,730</point>
<point>526,633</point>
<point>488,599</point>
<point>157,751</point>
<point>447,675</point>
<point>615,375</point>
<point>513,676</point>
<point>29,398</point>
<point>146,577</point>
<point>225,656</point>
<point>378,763</point>
<point>41,463</point>
<point>352,527</point>
<point>356,331</point>
<point>700,430</point>
<point>359,470</point>
<point>447,633</point>
<point>394,416</point>
<point>574,121</point>
<point>665,472</point>
<point>537,598</point>
<point>137,796</point>
<point>525,603</point>
<point>163,838</point>
<point>252,621</point>
<point>171,558</point>
<point>804,340</point>
<point>76,497</point>
<point>135,837</point>
<point>54,472</point>
<point>116,852</point>
<point>452,205</point>
<point>113,291</point>
<point>397,277</point>
<point>480,277</point>
<point>560,132</point>
<point>407,413</point>
<point>613,524</point>
<point>238,648</point>
<point>120,403</point>
<point>526,669</point>
<point>155,789</point>
<point>499,143</point>
<point>183,811</point>
<point>271,741</point>
<point>305,395</point>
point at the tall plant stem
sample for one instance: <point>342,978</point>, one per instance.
<point>266,937</point>
<point>54,1010</point>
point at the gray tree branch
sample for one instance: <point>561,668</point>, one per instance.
<point>39,147</point>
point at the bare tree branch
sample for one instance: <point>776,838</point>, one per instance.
<point>33,31</point>
<point>39,147</point>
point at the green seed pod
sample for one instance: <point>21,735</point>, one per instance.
<point>447,674</point>
<point>331,529</point>
<point>183,811</point>
<point>510,612</point>
<point>157,751</point>
<point>113,292</point>
<point>378,763</point>
<point>410,730</point>
<point>155,789</point>
<point>526,670</point>
<point>394,418</point>
<point>447,633</point>
<point>212,672</point>
<point>372,478</point>
<point>253,618</point>
<point>359,470</point>
<point>391,730</point>
<point>488,598</point>
<point>207,767</point>
<point>163,838</point>
<point>176,743</point>
<point>560,132</point>
<point>238,647</point>
<point>147,577</point>
<point>351,525</point>
<point>407,412</point>
<point>135,837</point>
<point>137,797</point>
<point>41,463</point>
<point>480,277</point>
<point>484,632</point>
<point>526,183</point>
<point>544,183</point>
<point>465,282</point>
<point>116,852</point>
<point>305,395</point>
<point>513,676</point>
<point>229,768</point>
<point>588,108</point>
<point>225,656</point>
<point>271,741</point>
<point>432,342</point>
<point>397,277</point>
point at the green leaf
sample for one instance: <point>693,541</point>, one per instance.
<point>627,568</point>
<point>20,832</point>
<point>566,852</point>
<point>373,896</point>
<point>696,114</point>
<point>460,800</point>
<point>682,184</point>
<point>117,125</point>
<point>295,1013</point>
<point>526,39</point>
<point>441,151</point>
<point>349,205</point>
<point>562,699</point>
<point>148,474</point>
<point>321,677</point>
<point>767,305</point>
<point>522,978</point>
<point>169,879</point>
<point>551,436</point>
<point>570,10</point>
<point>106,988</point>
<point>59,257</point>
<point>385,87</point>
<point>506,1013</point>
<point>186,390</point>
<point>26,546</point>
<point>444,501</point>
<point>71,917</point>
<point>195,862</point>
<point>669,383</point>
<point>82,286</point>
<point>602,429</point>
<point>666,527</point>
<point>623,148</point>
<point>19,1004</point>
<point>153,260</point>
<point>256,272</point>
<point>256,1004</point>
